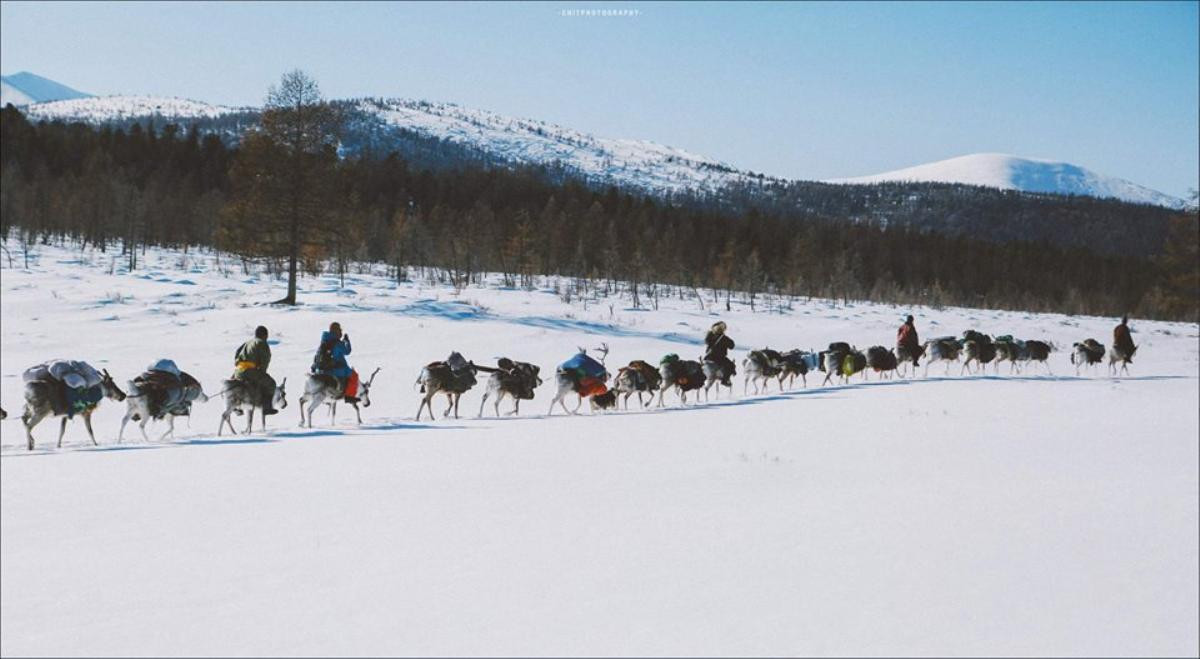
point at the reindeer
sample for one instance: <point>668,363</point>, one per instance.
<point>796,362</point>
<point>682,374</point>
<point>41,396</point>
<point>1087,354</point>
<point>978,348</point>
<point>566,384</point>
<point>637,378</point>
<point>514,379</point>
<point>452,377</point>
<point>906,357</point>
<point>833,361</point>
<point>138,404</point>
<point>881,360</point>
<point>239,396</point>
<point>1009,351</point>
<point>320,388</point>
<point>1115,355</point>
<point>1037,351</point>
<point>715,375</point>
<point>944,349</point>
<point>761,365</point>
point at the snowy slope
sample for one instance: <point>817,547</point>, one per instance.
<point>637,163</point>
<point>24,88</point>
<point>975,515</point>
<point>631,163</point>
<point>998,170</point>
<point>100,109</point>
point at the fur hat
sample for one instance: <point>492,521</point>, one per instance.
<point>719,327</point>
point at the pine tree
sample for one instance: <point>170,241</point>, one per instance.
<point>283,176</point>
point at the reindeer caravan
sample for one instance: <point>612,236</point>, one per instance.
<point>163,392</point>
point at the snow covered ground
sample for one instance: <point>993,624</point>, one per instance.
<point>977,515</point>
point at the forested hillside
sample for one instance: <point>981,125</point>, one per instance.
<point>125,187</point>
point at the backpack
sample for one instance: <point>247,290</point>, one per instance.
<point>323,361</point>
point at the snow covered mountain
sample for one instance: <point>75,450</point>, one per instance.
<point>628,163</point>
<point>998,170</point>
<point>104,109</point>
<point>25,88</point>
<point>640,164</point>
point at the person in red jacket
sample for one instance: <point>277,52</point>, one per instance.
<point>1122,340</point>
<point>907,340</point>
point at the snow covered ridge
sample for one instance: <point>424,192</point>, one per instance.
<point>102,109</point>
<point>630,163</point>
<point>640,163</point>
<point>1007,172</point>
<point>623,162</point>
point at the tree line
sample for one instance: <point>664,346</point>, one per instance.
<point>284,195</point>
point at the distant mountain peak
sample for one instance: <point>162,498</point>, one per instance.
<point>25,88</point>
<point>1009,172</point>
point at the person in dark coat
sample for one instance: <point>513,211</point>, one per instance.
<point>1122,340</point>
<point>907,340</point>
<point>251,362</point>
<point>718,345</point>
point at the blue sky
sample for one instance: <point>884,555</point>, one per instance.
<point>804,90</point>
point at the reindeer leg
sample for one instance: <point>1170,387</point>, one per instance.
<point>87,423</point>
<point>31,419</point>
<point>62,431</point>
<point>170,427</point>
<point>457,400</point>
<point>484,401</point>
<point>250,421</point>
<point>142,427</point>
<point>577,404</point>
<point>357,413</point>
<point>121,432</point>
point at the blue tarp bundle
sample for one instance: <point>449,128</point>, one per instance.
<point>583,366</point>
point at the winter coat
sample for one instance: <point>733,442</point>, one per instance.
<point>907,337</point>
<point>254,355</point>
<point>338,349</point>
<point>719,346</point>
<point>1122,340</point>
